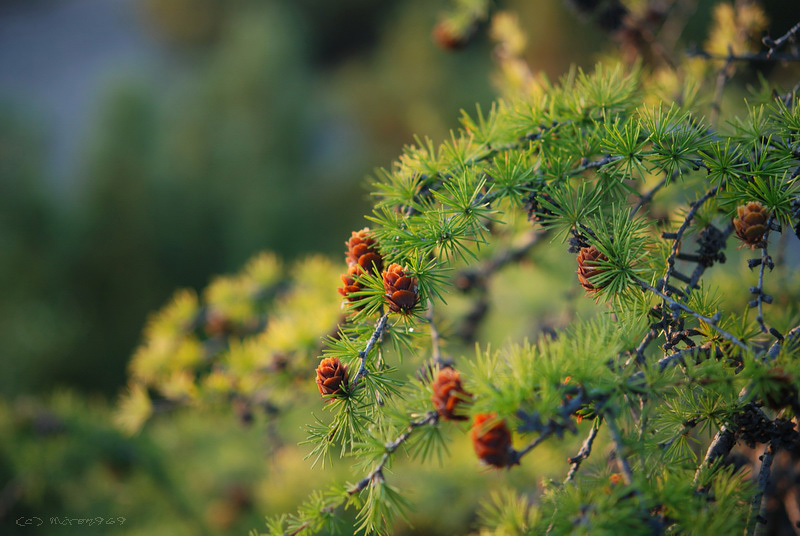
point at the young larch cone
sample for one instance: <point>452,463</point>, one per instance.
<point>751,223</point>
<point>402,291</point>
<point>492,444</point>
<point>331,376</point>
<point>362,250</point>
<point>350,285</point>
<point>587,267</point>
<point>448,393</point>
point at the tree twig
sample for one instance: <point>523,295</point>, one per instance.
<point>710,321</point>
<point>622,460</point>
<point>585,452</point>
<point>377,334</point>
<point>757,505</point>
<point>431,417</point>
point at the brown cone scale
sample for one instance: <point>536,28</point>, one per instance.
<point>362,251</point>
<point>331,376</point>
<point>587,267</point>
<point>751,223</point>
<point>350,285</point>
<point>492,444</point>
<point>402,291</point>
<point>448,393</point>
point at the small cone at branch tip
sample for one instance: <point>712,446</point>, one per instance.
<point>362,251</point>
<point>492,444</point>
<point>331,376</point>
<point>751,223</point>
<point>402,291</point>
<point>350,285</point>
<point>448,394</point>
<point>588,259</point>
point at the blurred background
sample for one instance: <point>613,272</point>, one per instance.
<point>147,145</point>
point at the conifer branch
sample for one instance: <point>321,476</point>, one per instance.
<point>670,361</point>
<point>720,446</point>
<point>710,321</point>
<point>568,408</point>
<point>583,453</point>
<point>754,57</point>
<point>757,505</point>
<point>436,351</point>
<point>678,236</point>
<point>765,261</point>
<point>377,335</point>
<point>638,354</point>
<point>706,259</point>
<point>431,417</point>
<point>776,44</point>
<point>790,338</point>
<point>622,459</point>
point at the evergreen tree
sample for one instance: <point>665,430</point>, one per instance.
<point>650,176</point>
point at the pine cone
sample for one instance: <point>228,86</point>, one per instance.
<point>587,267</point>
<point>492,445</point>
<point>350,283</point>
<point>402,291</point>
<point>448,393</point>
<point>362,250</point>
<point>751,225</point>
<point>331,376</point>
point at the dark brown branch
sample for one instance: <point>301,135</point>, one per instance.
<point>757,506</point>
<point>711,321</point>
<point>431,417</point>
<point>756,57</point>
<point>568,409</point>
<point>585,452</point>
<point>776,44</point>
<point>790,338</point>
<point>436,351</point>
<point>720,447</point>
<point>766,261</point>
<point>377,334</point>
<point>622,460</point>
<point>678,236</point>
<point>706,263</point>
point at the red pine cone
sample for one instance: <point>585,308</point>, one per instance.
<point>331,376</point>
<point>350,283</point>
<point>448,393</point>
<point>751,225</point>
<point>402,291</point>
<point>587,267</point>
<point>492,444</point>
<point>362,250</point>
